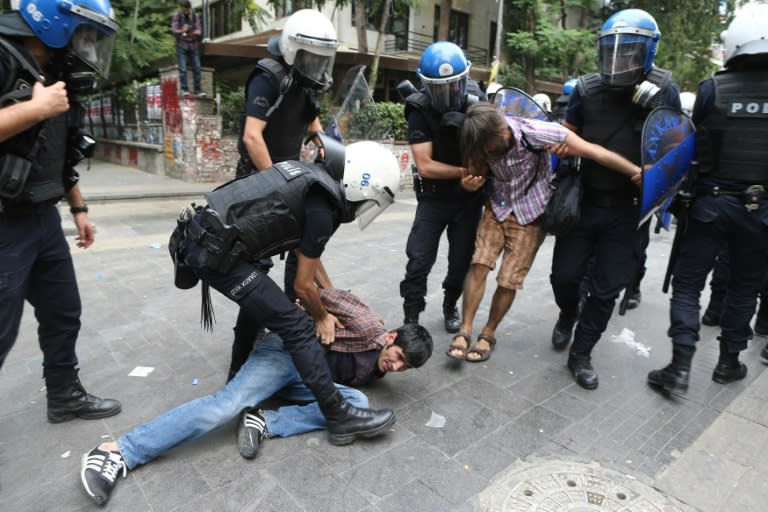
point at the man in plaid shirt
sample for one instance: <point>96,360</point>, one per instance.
<point>515,152</point>
<point>362,351</point>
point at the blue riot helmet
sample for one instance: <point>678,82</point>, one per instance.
<point>444,70</point>
<point>570,85</point>
<point>86,28</point>
<point>626,47</point>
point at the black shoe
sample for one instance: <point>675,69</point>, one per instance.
<point>452,321</point>
<point>67,399</point>
<point>582,371</point>
<point>634,301</point>
<point>726,372</point>
<point>562,333</point>
<point>99,471</point>
<point>670,378</point>
<point>346,422</point>
<point>411,316</point>
<point>251,431</point>
<point>764,354</point>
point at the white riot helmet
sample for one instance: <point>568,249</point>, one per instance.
<point>371,179</point>
<point>687,99</point>
<point>308,43</point>
<point>543,101</point>
<point>747,34</point>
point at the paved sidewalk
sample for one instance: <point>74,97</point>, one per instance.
<point>513,434</point>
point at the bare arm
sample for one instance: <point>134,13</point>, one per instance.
<point>46,102</point>
<point>432,169</point>
<point>610,159</point>
<point>325,323</point>
<point>322,279</point>
<point>85,232</point>
<point>253,138</point>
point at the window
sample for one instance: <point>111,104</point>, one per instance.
<point>458,27</point>
<point>288,7</point>
<point>223,19</point>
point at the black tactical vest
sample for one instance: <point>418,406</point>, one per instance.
<point>732,141</point>
<point>268,206</point>
<point>612,120</point>
<point>287,124</point>
<point>44,145</point>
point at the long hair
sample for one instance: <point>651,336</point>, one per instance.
<point>483,127</point>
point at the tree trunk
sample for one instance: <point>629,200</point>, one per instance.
<point>361,23</point>
<point>379,46</point>
<point>445,19</point>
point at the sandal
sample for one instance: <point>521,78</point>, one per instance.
<point>462,347</point>
<point>484,353</point>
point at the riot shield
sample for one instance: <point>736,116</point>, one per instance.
<point>355,115</point>
<point>668,146</point>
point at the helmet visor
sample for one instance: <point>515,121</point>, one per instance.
<point>621,59</point>
<point>446,94</point>
<point>314,68</point>
<point>366,211</point>
<point>93,47</point>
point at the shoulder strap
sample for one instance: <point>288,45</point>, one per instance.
<point>29,65</point>
<point>589,84</point>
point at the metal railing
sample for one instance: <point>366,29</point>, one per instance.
<point>406,41</point>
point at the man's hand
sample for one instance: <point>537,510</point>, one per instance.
<point>86,233</point>
<point>51,100</point>
<point>560,149</point>
<point>637,179</point>
<point>325,328</point>
<point>472,183</point>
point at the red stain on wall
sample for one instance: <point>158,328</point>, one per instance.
<point>171,107</point>
<point>209,149</point>
<point>133,157</point>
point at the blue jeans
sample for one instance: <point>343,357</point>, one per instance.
<point>181,56</point>
<point>36,265</point>
<point>268,371</point>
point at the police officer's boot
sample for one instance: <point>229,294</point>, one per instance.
<point>346,422</point>
<point>712,314</point>
<point>634,300</point>
<point>451,317</point>
<point>411,315</point>
<point>561,334</point>
<point>67,399</point>
<point>761,322</point>
<point>729,368</point>
<point>674,377</point>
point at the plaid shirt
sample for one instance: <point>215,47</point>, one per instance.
<point>521,168</point>
<point>353,356</point>
<point>191,40</point>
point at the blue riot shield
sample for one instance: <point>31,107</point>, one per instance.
<point>514,102</point>
<point>668,146</point>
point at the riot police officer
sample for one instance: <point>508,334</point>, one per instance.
<point>280,109</point>
<point>290,206</point>
<point>607,108</point>
<point>730,208</point>
<point>434,118</point>
<point>43,48</point>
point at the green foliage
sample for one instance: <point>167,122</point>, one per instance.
<point>377,119</point>
<point>231,106</point>
<point>558,53</point>
<point>394,113</point>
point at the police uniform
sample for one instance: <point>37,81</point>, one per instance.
<point>607,228</point>
<point>442,204</point>
<point>730,209</point>
<point>36,172</point>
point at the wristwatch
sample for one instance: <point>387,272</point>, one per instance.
<point>78,209</point>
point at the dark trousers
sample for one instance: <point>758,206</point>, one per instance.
<point>36,265</point>
<point>459,214</point>
<point>720,273</point>
<point>264,304</point>
<point>610,236</point>
<point>715,223</point>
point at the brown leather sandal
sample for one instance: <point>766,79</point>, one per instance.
<point>484,353</point>
<point>455,346</point>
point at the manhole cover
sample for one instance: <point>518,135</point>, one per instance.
<point>560,486</point>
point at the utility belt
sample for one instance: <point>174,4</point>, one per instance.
<point>436,187</point>
<point>15,210</point>
<point>608,199</point>
<point>244,167</point>
<point>753,195</point>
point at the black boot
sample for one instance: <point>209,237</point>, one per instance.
<point>634,300</point>
<point>729,368</point>
<point>411,315</point>
<point>346,422</point>
<point>582,371</point>
<point>67,399</point>
<point>712,314</point>
<point>561,334</point>
<point>761,322</point>
<point>451,318</point>
<point>674,377</point>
